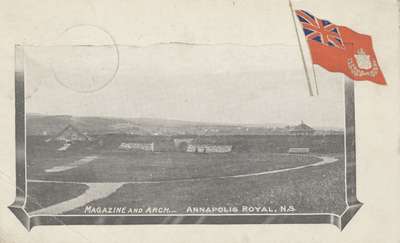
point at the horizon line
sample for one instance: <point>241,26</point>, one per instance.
<point>265,124</point>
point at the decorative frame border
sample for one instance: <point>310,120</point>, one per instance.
<point>29,221</point>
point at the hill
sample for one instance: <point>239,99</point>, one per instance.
<point>38,124</point>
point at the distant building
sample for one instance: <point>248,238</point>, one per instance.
<point>208,148</point>
<point>201,144</point>
<point>70,134</point>
<point>208,145</point>
<point>137,146</point>
<point>301,130</point>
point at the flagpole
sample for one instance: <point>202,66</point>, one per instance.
<point>315,79</point>
<point>301,50</point>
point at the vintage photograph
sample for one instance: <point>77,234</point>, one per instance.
<point>200,121</point>
<point>181,129</point>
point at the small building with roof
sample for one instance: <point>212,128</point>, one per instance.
<point>301,130</point>
<point>70,134</point>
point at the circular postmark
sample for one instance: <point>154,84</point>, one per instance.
<point>85,58</point>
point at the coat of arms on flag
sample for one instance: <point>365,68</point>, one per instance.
<point>340,49</point>
<point>363,60</point>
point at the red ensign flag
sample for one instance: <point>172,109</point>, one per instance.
<point>340,49</point>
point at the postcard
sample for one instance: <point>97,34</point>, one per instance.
<point>285,121</point>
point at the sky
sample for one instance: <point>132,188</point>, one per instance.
<point>223,83</point>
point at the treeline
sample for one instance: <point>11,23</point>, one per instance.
<point>240,143</point>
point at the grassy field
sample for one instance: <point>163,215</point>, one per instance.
<point>41,195</point>
<point>318,189</point>
<point>142,166</point>
<point>311,190</point>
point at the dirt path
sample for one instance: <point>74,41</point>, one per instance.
<point>98,190</point>
<point>95,191</point>
<point>72,165</point>
<point>325,160</point>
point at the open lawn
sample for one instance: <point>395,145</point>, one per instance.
<point>319,189</point>
<point>164,179</point>
<point>41,195</point>
<point>144,166</point>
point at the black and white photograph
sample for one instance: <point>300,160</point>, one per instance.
<point>169,133</point>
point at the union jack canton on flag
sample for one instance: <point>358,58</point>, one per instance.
<point>320,30</point>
